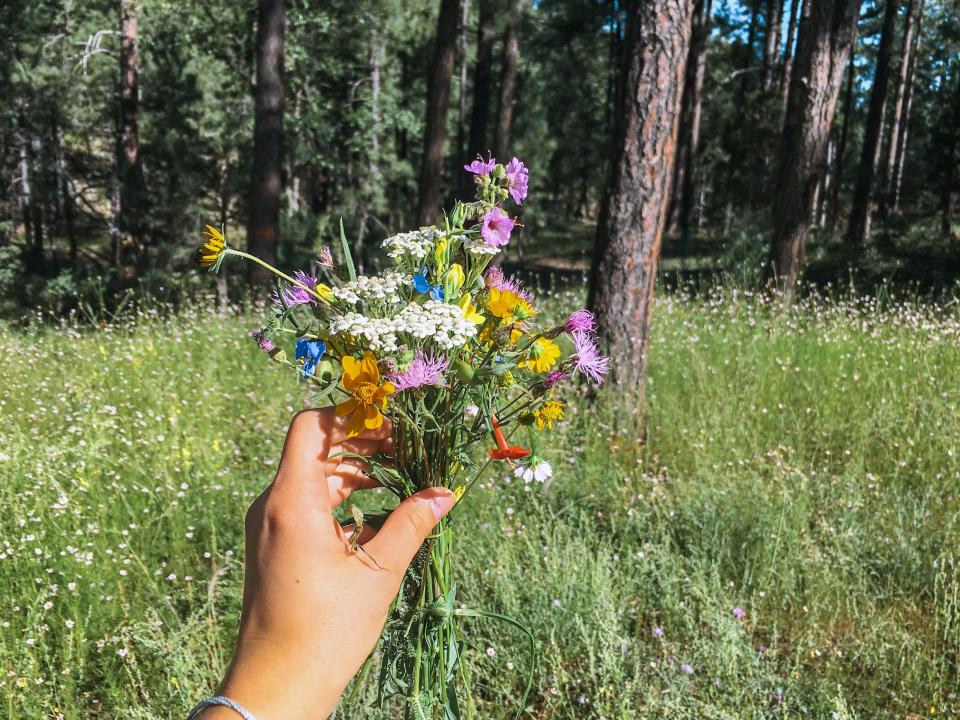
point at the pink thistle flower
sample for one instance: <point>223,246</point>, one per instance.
<point>263,342</point>
<point>553,378</point>
<point>496,228</point>
<point>580,321</point>
<point>424,370</point>
<point>587,358</point>
<point>326,257</point>
<point>480,166</point>
<point>494,278</point>
<point>295,295</point>
<point>517,177</point>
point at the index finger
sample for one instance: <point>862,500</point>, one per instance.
<point>305,453</point>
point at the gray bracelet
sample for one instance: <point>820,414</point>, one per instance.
<point>220,700</point>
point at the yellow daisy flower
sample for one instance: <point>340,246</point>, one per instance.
<point>549,413</point>
<point>509,306</point>
<point>541,356</point>
<point>212,248</point>
<point>361,378</point>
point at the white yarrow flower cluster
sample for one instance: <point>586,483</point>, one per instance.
<point>478,247</point>
<point>444,324</point>
<point>415,244</point>
<point>367,288</point>
<point>380,333</point>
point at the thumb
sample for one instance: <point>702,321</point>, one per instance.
<point>406,528</point>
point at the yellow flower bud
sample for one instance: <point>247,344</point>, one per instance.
<point>453,281</point>
<point>440,253</point>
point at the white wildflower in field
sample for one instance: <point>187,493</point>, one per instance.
<point>537,469</point>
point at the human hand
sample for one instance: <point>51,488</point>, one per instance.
<point>312,609</point>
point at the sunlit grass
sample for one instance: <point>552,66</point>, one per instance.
<point>801,466</point>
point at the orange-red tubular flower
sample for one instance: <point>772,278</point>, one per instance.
<point>504,451</point>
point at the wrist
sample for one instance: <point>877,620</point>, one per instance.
<point>275,683</point>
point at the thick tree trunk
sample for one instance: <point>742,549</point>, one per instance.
<point>899,123</point>
<point>688,142</point>
<point>129,167</point>
<point>841,153</point>
<point>480,114</point>
<point>438,103</point>
<point>266,181</point>
<point>771,45</point>
<point>508,81</point>
<point>788,49</point>
<point>633,215</point>
<point>861,208</point>
<point>828,29</point>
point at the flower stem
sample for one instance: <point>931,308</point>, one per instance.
<point>276,272</point>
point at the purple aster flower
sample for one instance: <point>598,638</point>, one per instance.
<point>553,378</point>
<point>587,358</point>
<point>517,177</point>
<point>658,632</point>
<point>580,321</point>
<point>263,342</point>
<point>738,612</point>
<point>424,370</point>
<point>296,295</point>
<point>496,227</point>
<point>483,167</point>
<point>686,669</point>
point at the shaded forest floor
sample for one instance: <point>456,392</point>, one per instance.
<point>802,467</point>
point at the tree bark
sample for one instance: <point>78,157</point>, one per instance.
<point>688,143</point>
<point>771,45</point>
<point>841,153</point>
<point>438,103</point>
<point>861,210</point>
<point>899,124</point>
<point>633,215</point>
<point>508,82</point>
<point>266,180</point>
<point>480,114</point>
<point>828,30</point>
<point>129,166</point>
<point>788,49</point>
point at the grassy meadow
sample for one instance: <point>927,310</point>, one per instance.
<point>783,544</point>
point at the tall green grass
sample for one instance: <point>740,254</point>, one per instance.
<point>801,466</point>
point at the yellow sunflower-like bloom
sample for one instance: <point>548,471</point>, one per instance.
<point>470,311</point>
<point>541,356</point>
<point>212,248</point>
<point>549,413</point>
<point>361,378</point>
<point>509,306</point>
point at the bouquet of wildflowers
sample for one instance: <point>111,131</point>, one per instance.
<point>451,351</point>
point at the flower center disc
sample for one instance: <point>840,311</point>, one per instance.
<point>365,393</point>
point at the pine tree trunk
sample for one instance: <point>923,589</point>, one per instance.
<point>688,142</point>
<point>438,103</point>
<point>861,210</point>
<point>841,153</point>
<point>129,167</point>
<point>480,114</point>
<point>266,181</point>
<point>771,46</point>
<point>898,134</point>
<point>788,49</point>
<point>508,82</point>
<point>828,30</point>
<point>633,215</point>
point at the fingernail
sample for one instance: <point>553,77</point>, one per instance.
<point>441,504</point>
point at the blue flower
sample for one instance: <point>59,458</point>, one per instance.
<point>310,351</point>
<point>422,285</point>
